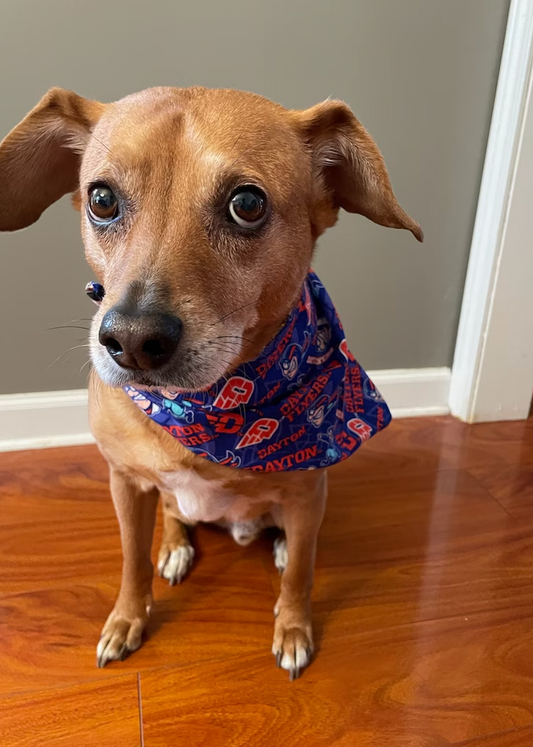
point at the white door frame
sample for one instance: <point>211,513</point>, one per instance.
<point>492,374</point>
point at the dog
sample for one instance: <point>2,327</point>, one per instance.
<point>200,210</point>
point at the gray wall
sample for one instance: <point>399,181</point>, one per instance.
<point>420,74</point>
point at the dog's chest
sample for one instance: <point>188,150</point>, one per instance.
<point>199,499</point>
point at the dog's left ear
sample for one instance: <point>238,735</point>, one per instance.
<point>40,159</point>
<point>349,165</point>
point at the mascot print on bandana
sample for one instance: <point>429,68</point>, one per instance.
<point>303,403</point>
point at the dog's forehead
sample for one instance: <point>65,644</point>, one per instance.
<point>196,128</point>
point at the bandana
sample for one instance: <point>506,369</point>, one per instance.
<point>303,403</point>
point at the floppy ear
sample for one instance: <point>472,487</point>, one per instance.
<point>349,165</point>
<point>40,158</point>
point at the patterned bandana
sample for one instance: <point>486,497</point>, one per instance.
<point>303,403</point>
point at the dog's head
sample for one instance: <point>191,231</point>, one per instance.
<point>200,210</point>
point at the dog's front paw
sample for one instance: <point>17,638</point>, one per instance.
<point>174,563</point>
<point>293,646</point>
<point>121,636</point>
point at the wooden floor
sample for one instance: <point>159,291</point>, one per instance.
<point>423,608</point>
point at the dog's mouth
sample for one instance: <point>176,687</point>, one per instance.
<point>165,389</point>
<point>180,378</point>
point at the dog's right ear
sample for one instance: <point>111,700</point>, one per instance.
<point>40,158</point>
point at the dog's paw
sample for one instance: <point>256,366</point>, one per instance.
<point>174,564</point>
<point>281,557</point>
<point>292,647</point>
<point>121,636</point>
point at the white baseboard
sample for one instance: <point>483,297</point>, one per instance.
<point>414,392</point>
<point>40,420</point>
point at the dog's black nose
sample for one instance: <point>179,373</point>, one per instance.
<point>140,341</point>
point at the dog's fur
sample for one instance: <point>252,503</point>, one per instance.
<point>174,155</point>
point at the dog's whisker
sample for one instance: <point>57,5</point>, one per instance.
<point>229,351</point>
<point>83,319</point>
<point>243,154</point>
<point>233,312</point>
<point>66,352</point>
<point>87,363</point>
<point>235,337</point>
<point>68,326</point>
<point>253,373</point>
<point>229,346</point>
<point>93,136</point>
<point>229,364</point>
<point>235,143</point>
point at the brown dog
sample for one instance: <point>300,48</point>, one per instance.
<point>167,159</point>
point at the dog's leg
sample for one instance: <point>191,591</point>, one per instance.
<point>136,511</point>
<point>293,636</point>
<point>176,553</point>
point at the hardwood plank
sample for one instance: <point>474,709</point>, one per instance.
<point>53,482</point>
<point>89,455</point>
<point>514,738</point>
<point>444,503</point>
<point>49,637</point>
<point>511,485</point>
<point>57,521</point>
<point>434,444</point>
<point>455,578</point>
<point>91,715</point>
<point>75,468</point>
<point>59,550</point>
<point>429,684</point>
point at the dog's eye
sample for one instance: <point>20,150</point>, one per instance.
<point>103,205</point>
<point>248,207</point>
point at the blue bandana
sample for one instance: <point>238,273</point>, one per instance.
<point>303,403</point>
